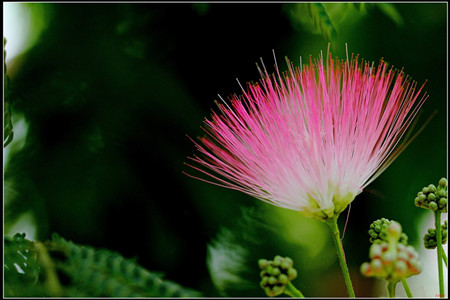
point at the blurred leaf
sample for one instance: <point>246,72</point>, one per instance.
<point>7,124</point>
<point>389,10</point>
<point>79,271</point>
<point>20,267</point>
<point>322,21</point>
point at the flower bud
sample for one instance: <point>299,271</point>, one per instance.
<point>388,257</point>
<point>277,261</point>
<point>277,290</point>
<point>272,280</point>
<point>432,188</point>
<point>401,267</point>
<point>283,279</point>
<point>425,190</point>
<point>402,256</point>
<point>263,263</point>
<point>365,269</point>
<point>415,267</point>
<point>442,193</point>
<point>433,206</point>
<point>422,197</point>
<point>395,230</point>
<point>442,202</point>
<point>264,281</point>
<point>443,182</point>
<point>275,272</point>
<point>292,273</point>
<point>376,265</point>
<point>285,265</point>
<point>289,261</point>
<point>375,251</point>
<point>431,197</point>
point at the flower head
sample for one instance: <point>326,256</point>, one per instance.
<point>312,138</point>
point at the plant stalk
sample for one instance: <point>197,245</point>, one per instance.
<point>437,219</point>
<point>332,222</point>
<point>444,256</point>
<point>391,288</point>
<point>406,287</point>
<point>292,291</point>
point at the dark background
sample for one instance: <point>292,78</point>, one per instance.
<point>110,91</point>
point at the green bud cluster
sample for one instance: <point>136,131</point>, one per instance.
<point>432,197</point>
<point>378,232</point>
<point>429,240</point>
<point>390,258</point>
<point>276,274</point>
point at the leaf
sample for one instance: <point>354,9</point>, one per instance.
<point>389,10</point>
<point>73,270</point>
<point>7,124</point>
<point>322,21</point>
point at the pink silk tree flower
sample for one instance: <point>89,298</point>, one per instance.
<point>310,139</point>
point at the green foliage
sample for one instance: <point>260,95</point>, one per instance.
<point>63,268</point>
<point>8,132</point>
<point>389,10</point>
<point>328,18</point>
<point>20,267</point>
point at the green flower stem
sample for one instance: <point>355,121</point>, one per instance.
<point>444,256</point>
<point>406,287</point>
<point>332,222</point>
<point>292,291</point>
<point>437,219</point>
<point>391,288</point>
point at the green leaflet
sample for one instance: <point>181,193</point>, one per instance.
<point>389,10</point>
<point>7,124</point>
<point>322,21</point>
<point>82,271</point>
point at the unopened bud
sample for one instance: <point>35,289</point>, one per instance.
<point>264,281</point>
<point>417,201</point>
<point>395,230</point>
<point>292,274</point>
<point>443,182</point>
<point>276,272</point>
<point>277,290</point>
<point>388,257</point>
<point>375,251</point>
<point>277,261</point>
<point>376,265</point>
<point>442,193</point>
<point>442,202</point>
<point>432,188</point>
<point>263,263</point>
<point>431,197</point>
<point>433,206</point>
<point>272,280</point>
<point>285,265</point>
<point>425,190</point>
<point>283,279</point>
<point>403,256</point>
<point>401,267</point>
<point>415,267</point>
<point>365,269</point>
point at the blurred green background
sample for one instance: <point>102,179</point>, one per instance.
<point>104,96</point>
